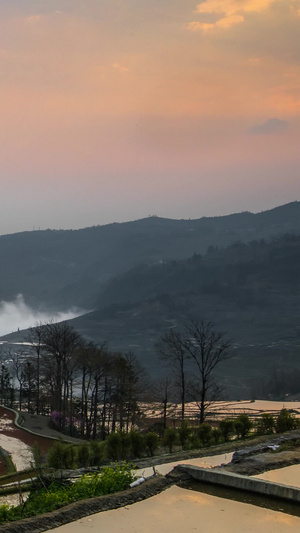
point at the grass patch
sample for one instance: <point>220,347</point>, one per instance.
<point>43,499</point>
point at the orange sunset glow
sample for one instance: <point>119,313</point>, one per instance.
<point>111,110</point>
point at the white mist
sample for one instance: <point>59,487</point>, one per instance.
<point>16,314</point>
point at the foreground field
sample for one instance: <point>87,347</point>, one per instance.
<point>177,509</point>
<point>76,511</point>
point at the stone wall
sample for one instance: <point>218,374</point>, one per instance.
<point>236,481</point>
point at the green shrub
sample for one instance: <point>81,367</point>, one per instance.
<point>226,427</point>
<point>194,440</point>
<point>169,438</point>
<point>266,424</point>
<point>242,425</point>
<point>152,442</point>
<point>204,433</point>
<point>216,435</point>
<point>159,428</point>
<point>4,513</point>
<point>96,452</point>
<point>118,445</point>
<point>83,455</point>
<point>138,443</point>
<point>61,456</point>
<point>125,445</point>
<point>184,433</point>
<point>113,446</point>
<point>285,421</point>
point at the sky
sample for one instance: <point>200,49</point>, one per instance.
<point>115,110</point>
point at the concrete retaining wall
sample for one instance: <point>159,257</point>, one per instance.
<point>245,483</point>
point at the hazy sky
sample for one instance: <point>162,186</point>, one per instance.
<point>112,110</point>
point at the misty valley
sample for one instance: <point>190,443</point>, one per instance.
<point>126,285</point>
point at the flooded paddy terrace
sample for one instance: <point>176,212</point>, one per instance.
<point>187,508</point>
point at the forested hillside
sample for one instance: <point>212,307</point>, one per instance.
<point>60,269</point>
<point>246,273</point>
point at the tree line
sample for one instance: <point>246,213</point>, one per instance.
<point>128,446</point>
<point>60,374</point>
<point>91,392</point>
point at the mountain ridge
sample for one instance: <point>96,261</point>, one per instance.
<point>65,268</point>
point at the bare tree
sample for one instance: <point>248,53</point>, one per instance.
<point>6,386</point>
<point>172,348</point>
<point>135,387</point>
<point>61,343</point>
<point>34,338</point>
<point>29,383</point>
<point>163,390</point>
<point>18,362</point>
<point>215,393</point>
<point>207,349</point>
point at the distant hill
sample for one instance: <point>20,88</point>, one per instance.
<point>59,269</point>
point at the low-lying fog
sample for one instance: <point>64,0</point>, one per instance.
<point>16,314</point>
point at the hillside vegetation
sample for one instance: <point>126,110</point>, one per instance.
<point>70,268</point>
<point>251,291</point>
